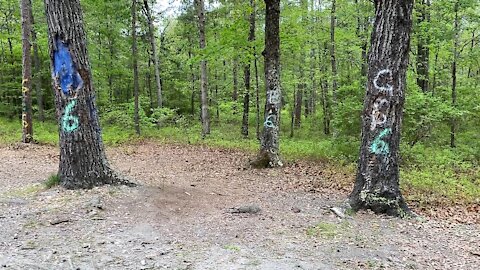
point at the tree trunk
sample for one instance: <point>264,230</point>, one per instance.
<point>377,182</point>
<point>156,64</point>
<point>37,77</point>
<point>333,58</point>
<point>203,78</point>
<point>246,97</point>
<point>269,150</point>
<point>453,121</point>
<point>299,97</point>
<point>324,86</point>
<point>423,51</point>
<point>235,85</point>
<point>83,163</point>
<point>27,124</point>
<point>135,66</point>
<point>257,92</point>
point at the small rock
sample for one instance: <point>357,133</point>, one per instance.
<point>296,210</point>
<point>143,262</point>
<point>249,209</point>
<point>59,220</point>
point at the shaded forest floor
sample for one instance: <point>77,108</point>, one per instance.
<point>180,217</point>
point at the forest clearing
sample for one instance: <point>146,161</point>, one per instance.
<point>179,217</point>
<point>226,134</point>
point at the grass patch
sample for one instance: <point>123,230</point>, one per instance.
<point>323,229</point>
<point>52,181</point>
<point>232,248</point>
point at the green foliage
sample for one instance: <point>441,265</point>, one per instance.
<point>52,180</point>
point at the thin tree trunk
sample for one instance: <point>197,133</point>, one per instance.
<point>257,93</point>
<point>246,97</point>
<point>423,51</point>
<point>292,114</point>
<point>313,92</point>
<point>27,123</point>
<point>37,77</point>
<point>156,64</point>
<point>377,181</point>
<point>135,66</point>
<point>333,58</point>
<point>269,150</point>
<point>235,85</point>
<point>203,78</point>
<point>83,163</point>
<point>299,97</point>
<point>324,86</point>
<point>453,121</point>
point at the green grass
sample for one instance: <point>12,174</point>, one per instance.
<point>429,175</point>
<point>52,180</point>
<point>323,229</point>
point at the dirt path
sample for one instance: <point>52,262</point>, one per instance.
<point>179,218</point>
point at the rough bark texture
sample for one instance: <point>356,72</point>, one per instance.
<point>27,124</point>
<point>37,77</point>
<point>423,50</point>
<point>246,97</point>
<point>156,64</point>
<point>377,182</point>
<point>203,65</point>
<point>135,65</point>
<point>83,163</point>
<point>269,150</point>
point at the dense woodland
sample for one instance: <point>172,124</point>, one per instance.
<point>156,67</point>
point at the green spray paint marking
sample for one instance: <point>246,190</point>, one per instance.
<point>380,147</point>
<point>69,122</point>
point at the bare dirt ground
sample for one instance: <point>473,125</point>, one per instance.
<point>179,217</point>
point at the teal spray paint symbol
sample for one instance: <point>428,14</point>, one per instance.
<point>69,122</point>
<point>380,147</point>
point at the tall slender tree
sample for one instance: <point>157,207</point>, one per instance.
<point>27,123</point>
<point>246,96</point>
<point>269,149</point>
<point>136,87</point>
<point>83,163</point>
<point>377,181</point>
<point>203,66</point>
<point>156,64</point>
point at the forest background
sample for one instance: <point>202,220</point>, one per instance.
<point>324,46</point>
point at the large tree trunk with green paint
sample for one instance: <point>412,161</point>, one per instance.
<point>269,150</point>
<point>83,163</point>
<point>377,181</point>
<point>27,125</point>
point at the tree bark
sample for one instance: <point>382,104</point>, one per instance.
<point>203,78</point>
<point>27,124</point>
<point>377,181</point>
<point>83,163</point>
<point>135,66</point>
<point>156,64</point>
<point>324,86</point>
<point>246,97</point>
<point>423,50</point>
<point>269,150</point>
